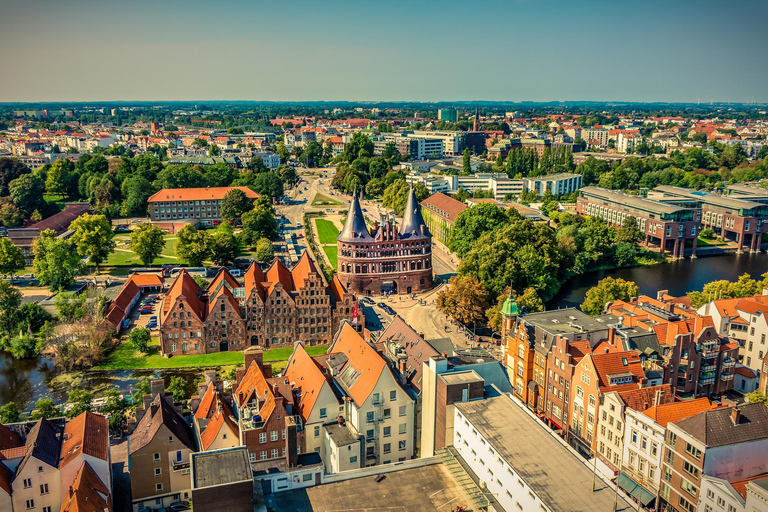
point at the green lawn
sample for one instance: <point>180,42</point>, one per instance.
<point>124,256</point>
<point>333,254</point>
<point>708,242</point>
<point>323,200</point>
<point>127,357</point>
<point>326,231</point>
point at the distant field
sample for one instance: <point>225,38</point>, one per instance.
<point>323,200</point>
<point>326,231</point>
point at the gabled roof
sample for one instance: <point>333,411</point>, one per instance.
<point>160,412</point>
<point>416,349</point>
<point>617,363</point>
<point>364,366</point>
<point>9,438</point>
<point>301,271</point>
<point>279,273</point>
<point>717,428</point>
<point>578,349</point>
<point>146,279</point>
<point>223,277</point>
<point>254,386</point>
<point>641,399</point>
<point>444,205</point>
<point>221,418</point>
<point>740,486</point>
<point>254,276</point>
<point>227,295</point>
<point>292,280</point>
<point>87,493</point>
<point>184,285</point>
<point>676,411</point>
<point>198,194</point>
<point>43,444</point>
<point>336,288</point>
<point>306,378</point>
<point>87,433</point>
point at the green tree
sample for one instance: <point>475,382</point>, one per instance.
<point>45,408</point>
<point>11,258</point>
<point>472,223</point>
<point>55,264</point>
<point>396,195</point>
<point>756,397</point>
<point>214,150</point>
<point>745,286</point>
<point>141,337</point>
<point>9,413</point>
<point>257,165</point>
<point>530,300</point>
<point>193,246</point>
<point>283,152</point>
<point>466,162</point>
<point>234,205</point>
<point>287,174</point>
<point>10,299</point>
<point>24,346</point>
<point>630,232</point>
<point>93,238</point>
<point>81,400</point>
<point>265,251</point>
<point>607,290</point>
<point>223,245</point>
<point>70,306</point>
<point>10,169</point>
<point>259,222</point>
<point>148,242</point>
<point>179,176</point>
<point>10,214</point>
<point>135,190</point>
<point>59,178</point>
<point>219,175</point>
<point>142,388</point>
<point>27,193</point>
<point>180,389</point>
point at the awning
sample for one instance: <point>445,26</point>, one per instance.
<point>636,490</point>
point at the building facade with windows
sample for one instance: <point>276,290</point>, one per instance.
<point>202,204</point>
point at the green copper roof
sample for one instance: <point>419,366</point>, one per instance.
<point>509,308</point>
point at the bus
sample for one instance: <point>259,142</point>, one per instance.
<point>193,271</point>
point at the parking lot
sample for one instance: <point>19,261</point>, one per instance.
<point>142,317</point>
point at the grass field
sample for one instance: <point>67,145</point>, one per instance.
<point>333,254</point>
<point>709,242</point>
<point>124,256</point>
<point>323,200</point>
<point>326,231</point>
<point>127,357</point>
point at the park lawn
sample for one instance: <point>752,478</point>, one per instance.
<point>326,231</point>
<point>323,200</point>
<point>333,254</point>
<point>127,357</point>
<point>709,242</point>
<point>121,257</point>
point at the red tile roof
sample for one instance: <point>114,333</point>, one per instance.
<point>197,194</point>
<point>615,363</point>
<point>674,412</point>
<point>305,376</point>
<point>87,493</point>
<point>141,280</point>
<point>87,433</point>
<point>254,386</point>
<point>445,206</point>
<point>9,438</point>
<point>184,285</point>
<point>641,399</point>
<point>740,486</point>
<point>367,364</point>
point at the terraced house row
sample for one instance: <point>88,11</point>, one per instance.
<point>270,308</point>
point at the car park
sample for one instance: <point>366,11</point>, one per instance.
<point>145,310</point>
<point>152,324</point>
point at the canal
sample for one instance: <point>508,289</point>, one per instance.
<point>26,381</point>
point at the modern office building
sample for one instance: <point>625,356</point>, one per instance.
<point>448,114</point>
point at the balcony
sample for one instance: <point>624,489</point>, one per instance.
<point>706,379</point>
<point>726,376</point>
<point>708,368</point>
<point>729,362</point>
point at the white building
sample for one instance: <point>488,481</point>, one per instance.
<point>271,160</point>
<point>556,184</point>
<point>743,320</point>
<point>523,464</point>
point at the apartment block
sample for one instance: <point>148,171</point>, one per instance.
<point>440,212</point>
<point>202,204</point>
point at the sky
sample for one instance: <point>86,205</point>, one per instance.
<point>390,50</point>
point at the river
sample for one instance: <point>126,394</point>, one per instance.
<point>679,277</point>
<point>26,381</point>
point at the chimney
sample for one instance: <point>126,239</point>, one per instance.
<point>659,398</point>
<point>341,420</point>
<point>239,374</point>
<point>736,415</point>
<point>254,354</point>
<point>291,441</point>
<point>147,401</point>
<point>156,387</point>
<point>210,376</point>
<point>402,362</point>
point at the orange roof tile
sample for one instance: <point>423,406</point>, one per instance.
<point>253,277</point>
<point>674,412</point>
<point>184,285</point>
<point>641,399</point>
<point>87,493</point>
<point>306,377</point>
<point>254,386</point>
<point>146,279</point>
<point>218,420</point>
<point>740,486</point>
<point>87,433</point>
<point>337,288</point>
<point>278,273</point>
<point>223,291</point>
<point>301,271</point>
<point>197,194</point>
<point>362,358</point>
<point>578,349</point>
<point>16,452</point>
<point>615,363</point>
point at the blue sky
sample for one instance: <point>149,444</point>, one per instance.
<point>515,50</point>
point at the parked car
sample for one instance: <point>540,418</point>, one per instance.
<point>152,324</point>
<point>368,300</point>
<point>121,229</point>
<point>300,235</point>
<point>145,310</point>
<point>126,323</point>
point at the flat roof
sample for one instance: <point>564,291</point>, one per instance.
<point>630,200</point>
<point>341,434</point>
<point>220,467</point>
<point>559,477</point>
<point>461,377</point>
<point>430,488</point>
<point>566,320</point>
<point>714,199</point>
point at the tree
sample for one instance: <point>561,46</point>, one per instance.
<point>179,176</point>
<point>283,152</point>
<point>114,408</point>
<point>464,300</point>
<point>27,193</point>
<point>10,169</point>
<point>219,175</point>
<point>55,264</point>
<point>60,176</point>
<point>142,388</point>
<point>11,257</point>
<point>193,246</point>
<point>265,252</point>
<point>214,150</point>
<point>259,222</point>
<point>287,174</point>
<point>223,245</point>
<point>396,195</point>
<point>257,165</point>
<point>93,238</point>
<point>530,300</point>
<point>147,241</point>
<point>70,306</point>
<point>9,413</point>
<point>24,346</point>
<point>45,408</point>
<point>81,400</point>
<point>180,389</point>
<point>268,183</point>
<point>629,232</point>
<point>140,337</point>
<point>10,214</point>
<point>472,223</point>
<point>135,190</point>
<point>466,162</point>
<point>745,286</point>
<point>234,205</point>
<point>10,299</point>
<point>756,397</point>
<point>607,290</point>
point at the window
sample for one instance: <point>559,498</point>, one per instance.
<point>686,505</point>
<point>369,417</point>
<point>178,456</point>
<point>158,472</point>
<point>317,431</point>
<point>156,457</point>
<point>688,487</point>
<point>387,431</point>
<point>43,488</point>
<point>262,437</point>
<point>263,455</point>
<point>30,504</point>
<point>323,412</point>
<point>369,435</point>
<point>401,445</point>
<point>690,469</point>
<point>159,487</point>
<point>387,447</point>
<point>579,392</point>
<point>392,396</point>
<point>634,437</point>
<point>403,428</point>
<point>27,483</point>
<point>48,509</point>
<point>402,410</point>
<point>273,436</point>
<point>353,460</point>
<point>251,457</point>
<point>585,378</point>
<point>693,451</point>
<point>273,454</point>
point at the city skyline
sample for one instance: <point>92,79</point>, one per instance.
<point>515,51</point>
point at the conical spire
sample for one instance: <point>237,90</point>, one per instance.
<point>413,222</point>
<point>355,229</point>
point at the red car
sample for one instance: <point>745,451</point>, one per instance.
<point>143,310</point>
